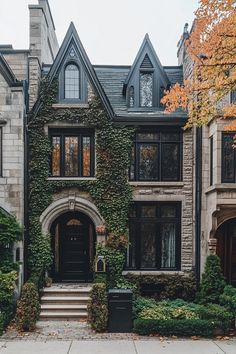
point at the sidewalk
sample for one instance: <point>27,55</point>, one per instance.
<point>119,347</point>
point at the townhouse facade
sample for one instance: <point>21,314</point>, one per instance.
<point>182,181</point>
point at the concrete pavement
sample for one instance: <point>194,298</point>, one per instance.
<point>148,346</point>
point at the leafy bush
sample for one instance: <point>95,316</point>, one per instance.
<point>7,287</point>
<point>187,327</point>
<point>98,308</point>
<point>1,324</point>
<point>6,262</point>
<point>28,308</point>
<point>166,310</point>
<point>228,299</point>
<point>212,283</point>
<point>165,286</point>
<point>215,312</point>
<point>10,231</point>
<point>143,303</point>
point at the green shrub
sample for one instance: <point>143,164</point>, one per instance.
<point>6,261</point>
<point>143,303</point>
<point>187,327</point>
<point>212,283</point>
<point>1,324</point>
<point>7,301</point>
<point>215,312</point>
<point>228,299</point>
<point>10,231</point>
<point>98,308</point>
<point>28,308</point>
<point>165,286</point>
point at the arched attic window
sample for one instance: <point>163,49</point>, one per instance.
<point>72,82</point>
<point>146,83</point>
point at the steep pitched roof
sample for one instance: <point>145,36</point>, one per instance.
<point>73,37</point>
<point>147,56</point>
<point>7,73</point>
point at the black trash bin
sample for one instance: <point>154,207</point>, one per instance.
<point>120,310</point>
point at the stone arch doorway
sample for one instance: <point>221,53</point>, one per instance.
<point>73,245</point>
<point>226,249</point>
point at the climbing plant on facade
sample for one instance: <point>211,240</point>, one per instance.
<point>110,190</point>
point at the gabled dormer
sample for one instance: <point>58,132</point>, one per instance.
<point>75,73</point>
<point>146,80</point>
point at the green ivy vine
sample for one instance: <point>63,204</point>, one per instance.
<point>110,190</point>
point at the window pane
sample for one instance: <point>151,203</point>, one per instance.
<point>132,165</point>
<point>131,96</point>
<point>148,245</point>
<point>86,156</point>
<point>71,156</point>
<point>168,211</point>
<point>168,244</point>
<point>148,162</point>
<point>148,136</point>
<point>148,211</point>
<point>146,89</point>
<point>170,136</point>
<point>56,156</point>
<point>170,162</point>
<point>72,82</point>
<point>228,158</point>
<point>132,247</point>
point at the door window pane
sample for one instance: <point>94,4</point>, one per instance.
<point>146,83</point>
<point>148,136</point>
<point>168,235</point>
<point>56,156</point>
<point>170,162</point>
<point>71,156</point>
<point>148,162</point>
<point>148,245</point>
<point>86,156</point>
<point>168,211</point>
<point>148,211</point>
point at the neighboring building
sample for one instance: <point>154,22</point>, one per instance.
<point>165,232</point>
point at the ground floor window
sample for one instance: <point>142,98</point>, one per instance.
<point>154,236</point>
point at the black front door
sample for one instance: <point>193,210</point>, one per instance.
<point>74,252</point>
<point>74,248</point>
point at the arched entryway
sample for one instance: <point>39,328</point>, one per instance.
<point>226,249</point>
<point>73,244</point>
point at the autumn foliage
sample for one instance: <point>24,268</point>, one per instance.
<point>211,46</point>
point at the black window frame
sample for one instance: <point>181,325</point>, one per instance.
<point>223,159</point>
<point>1,170</point>
<point>138,142</point>
<point>211,142</point>
<point>80,133</point>
<point>158,220</point>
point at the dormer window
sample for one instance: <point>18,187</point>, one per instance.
<point>131,96</point>
<point>72,82</point>
<point>146,89</point>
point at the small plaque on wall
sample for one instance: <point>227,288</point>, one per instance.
<point>100,266</point>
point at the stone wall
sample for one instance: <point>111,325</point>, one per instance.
<point>12,178</point>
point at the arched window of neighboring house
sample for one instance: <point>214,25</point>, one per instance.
<point>72,82</point>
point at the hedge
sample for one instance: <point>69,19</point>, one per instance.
<point>98,308</point>
<point>197,327</point>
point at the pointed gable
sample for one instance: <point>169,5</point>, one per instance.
<point>74,70</point>
<point>146,80</point>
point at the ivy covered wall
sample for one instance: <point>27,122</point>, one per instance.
<point>110,190</point>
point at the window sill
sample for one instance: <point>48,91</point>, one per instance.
<point>156,184</point>
<point>152,272</point>
<point>221,187</point>
<point>71,179</point>
<point>70,105</point>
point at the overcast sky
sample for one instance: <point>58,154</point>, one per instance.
<point>110,30</point>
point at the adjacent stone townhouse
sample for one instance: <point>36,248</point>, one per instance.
<point>180,198</point>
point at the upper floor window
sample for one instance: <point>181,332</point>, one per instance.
<point>154,236</point>
<point>146,89</point>
<point>72,82</point>
<point>233,96</point>
<point>72,153</point>
<point>228,165</point>
<point>156,156</point>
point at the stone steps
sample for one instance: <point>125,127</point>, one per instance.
<point>65,303</point>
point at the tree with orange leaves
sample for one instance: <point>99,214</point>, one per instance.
<point>212,49</point>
